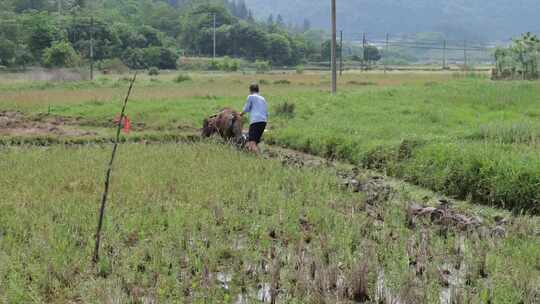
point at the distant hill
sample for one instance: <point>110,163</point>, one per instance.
<point>458,19</point>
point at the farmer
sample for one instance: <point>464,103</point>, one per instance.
<point>258,116</point>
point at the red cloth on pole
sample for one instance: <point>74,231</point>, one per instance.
<point>127,125</point>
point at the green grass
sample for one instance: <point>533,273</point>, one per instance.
<point>464,136</point>
<point>179,215</point>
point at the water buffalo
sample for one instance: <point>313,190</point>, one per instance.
<point>227,123</point>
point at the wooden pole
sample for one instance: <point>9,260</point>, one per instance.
<point>95,258</point>
<point>340,53</point>
<point>444,56</point>
<point>92,48</point>
<point>214,37</point>
<point>386,53</point>
<point>334,51</point>
<point>364,51</point>
<point>465,55</point>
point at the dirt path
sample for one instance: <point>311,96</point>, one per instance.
<point>16,123</point>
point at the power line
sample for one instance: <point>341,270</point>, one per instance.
<point>413,46</point>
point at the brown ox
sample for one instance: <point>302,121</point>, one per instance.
<point>228,124</point>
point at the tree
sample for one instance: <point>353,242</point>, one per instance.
<point>306,26</point>
<point>134,58</point>
<point>80,31</point>
<point>7,52</point>
<point>326,50</point>
<point>279,49</point>
<point>43,32</point>
<point>151,36</point>
<point>279,21</point>
<point>247,41</point>
<point>197,26</point>
<point>372,54</point>
<point>60,54</point>
<point>521,59</point>
<point>270,21</point>
<point>23,57</point>
<point>242,10</point>
<point>26,5</point>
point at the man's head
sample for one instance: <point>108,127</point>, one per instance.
<point>254,88</point>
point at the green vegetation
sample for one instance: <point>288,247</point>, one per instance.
<point>521,60</point>
<point>465,137</point>
<point>142,34</point>
<point>180,229</point>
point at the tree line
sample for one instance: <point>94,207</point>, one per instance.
<point>144,33</point>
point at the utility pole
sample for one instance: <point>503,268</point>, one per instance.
<point>59,2</point>
<point>92,48</point>
<point>464,55</point>
<point>334,42</point>
<point>364,57</point>
<point>444,55</point>
<point>214,37</point>
<point>386,53</point>
<point>341,53</point>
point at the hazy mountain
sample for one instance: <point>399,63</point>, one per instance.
<point>458,19</point>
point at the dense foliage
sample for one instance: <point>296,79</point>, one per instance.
<point>520,60</point>
<point>142,33</point>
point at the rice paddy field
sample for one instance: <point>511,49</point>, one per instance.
<point>402,188</point>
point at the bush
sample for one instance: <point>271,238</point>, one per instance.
<point>7,52</point>
<point>114,65</point>
<point>229,65</point>
<point>262,66</point>
<point>60,54</point>
<point>181,78</point>
<point>159,57</point>
<point>282,81</point>
<point>153,71</point>
<point>300,69</point>
<point>23,57</point>
<point>285,109</point>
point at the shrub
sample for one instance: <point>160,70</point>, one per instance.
<point>214,65</point>
<point>181,78</point>
<point>300,69</point>
<point>262,66</point>
<point>362,83</point>
<point>23,57</point>
<point>282,81</point>
<point>264,82</point>
<point>285,109</point>
<point>7,52</point>
<point>229,65</point>
<point>60,54</point>
<point>134,58</point>
<point>153,71</point>
<point>160,57</point>
<point>114,65</point>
